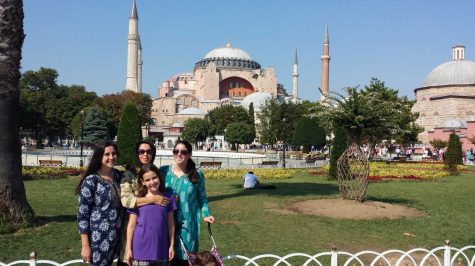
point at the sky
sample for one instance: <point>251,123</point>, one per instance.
<point>396,41</point>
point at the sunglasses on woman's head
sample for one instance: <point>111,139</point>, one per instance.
<point>142,152</point>
<point>182,152</point>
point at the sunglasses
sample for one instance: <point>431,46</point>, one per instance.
<point>142,152</point>
<point>182,152</point>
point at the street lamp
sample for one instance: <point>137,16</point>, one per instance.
<point>21,139</point>
<point>81,162</point>
<point>283,147</point>
<point>147,128</point>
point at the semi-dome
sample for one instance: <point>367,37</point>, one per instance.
<point>228,57</point>
<point>456,72</point>
<point>257,98</point>
<point>192,111</point>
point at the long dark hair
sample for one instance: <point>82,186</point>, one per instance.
<point>96,161</point>
<point>145,168</point>
<point>190,165</point>
<point>137,159</point>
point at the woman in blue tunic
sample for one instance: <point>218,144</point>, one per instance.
<point>100,212</point>
<point>188,185</point>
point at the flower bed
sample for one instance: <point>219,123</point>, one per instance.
<point>32,173</point>
<point>419,171</point>
<point>260,173</point>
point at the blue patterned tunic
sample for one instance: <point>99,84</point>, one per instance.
<point>100,216</point>
<point>191,203</point>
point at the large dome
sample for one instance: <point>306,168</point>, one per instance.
<point>455,72</point>
<point>228,52</point>
<point>228,57</point>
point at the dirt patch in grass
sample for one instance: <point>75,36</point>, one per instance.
<point>350,209</point>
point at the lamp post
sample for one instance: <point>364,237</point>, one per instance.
<point>21,138</point>
<point>283,147</point>
<point>81,162</point>
<point>147,128</point>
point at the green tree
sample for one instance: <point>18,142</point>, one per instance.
<point>239,133</point>
<point>221,116</point>
<point>339,145</point>
<point>251,114</point>
<point>438,143</point>
<point>15,211</point>
<point>453,156</point>
<point>269,122</point>
<point>95,126</point>
<point>195,130</point>
<point>129,134</point>
<point>114,105</point>
<point>308,132</point>
<point>48,108</point>
<point>290,113</point>
<point>362,115</point>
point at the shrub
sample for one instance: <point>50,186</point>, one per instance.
<point>454,153</point>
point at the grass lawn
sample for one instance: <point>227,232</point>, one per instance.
<point>253,222</point>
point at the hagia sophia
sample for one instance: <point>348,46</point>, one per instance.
<point>229,75</point>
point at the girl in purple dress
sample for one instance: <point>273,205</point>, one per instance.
<point>151,228</point>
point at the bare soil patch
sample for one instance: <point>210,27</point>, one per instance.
<point>350,209</point>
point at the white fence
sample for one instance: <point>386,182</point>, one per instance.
<point>440,256</point>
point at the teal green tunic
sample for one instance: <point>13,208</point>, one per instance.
<point>191,201</point>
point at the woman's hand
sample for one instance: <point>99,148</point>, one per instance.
<point>86,253</point>
<point>209,219</point>
<point>128,257</point>
<point>171,253</point>
<point>160,200</point>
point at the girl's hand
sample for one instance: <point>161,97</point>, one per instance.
<point>171,253</point>
<point>209,219</point>
<point>86,254</point>
<point>128,257</point>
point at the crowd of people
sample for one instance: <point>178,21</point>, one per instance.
<point>156,211</point>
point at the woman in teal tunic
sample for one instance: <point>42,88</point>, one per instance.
<point>187,184</point>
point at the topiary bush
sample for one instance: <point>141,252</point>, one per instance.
<point>129,133</point>
<point>453,156</point>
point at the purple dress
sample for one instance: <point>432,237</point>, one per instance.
<point>150,240</point>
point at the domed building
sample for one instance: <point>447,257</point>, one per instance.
<point>225,75</point>
<point>445,102</point>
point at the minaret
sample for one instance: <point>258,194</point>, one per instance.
<point>133,45</point>
<point>295,77</point>
<point>325,66</point>
<point>139,66</point>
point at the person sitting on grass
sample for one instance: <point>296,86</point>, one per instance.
<point>251,182</point>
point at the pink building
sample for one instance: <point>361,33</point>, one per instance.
<point>465,130</point>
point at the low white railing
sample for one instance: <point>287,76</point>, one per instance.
<point>440,256</point>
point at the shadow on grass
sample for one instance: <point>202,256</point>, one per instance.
<point>44,220</point>
<point>282,189</point>
<point>391,200</point>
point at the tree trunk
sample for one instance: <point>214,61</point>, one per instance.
<point>14,208</point>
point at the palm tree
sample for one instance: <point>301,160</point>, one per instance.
<point>14,208</point>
